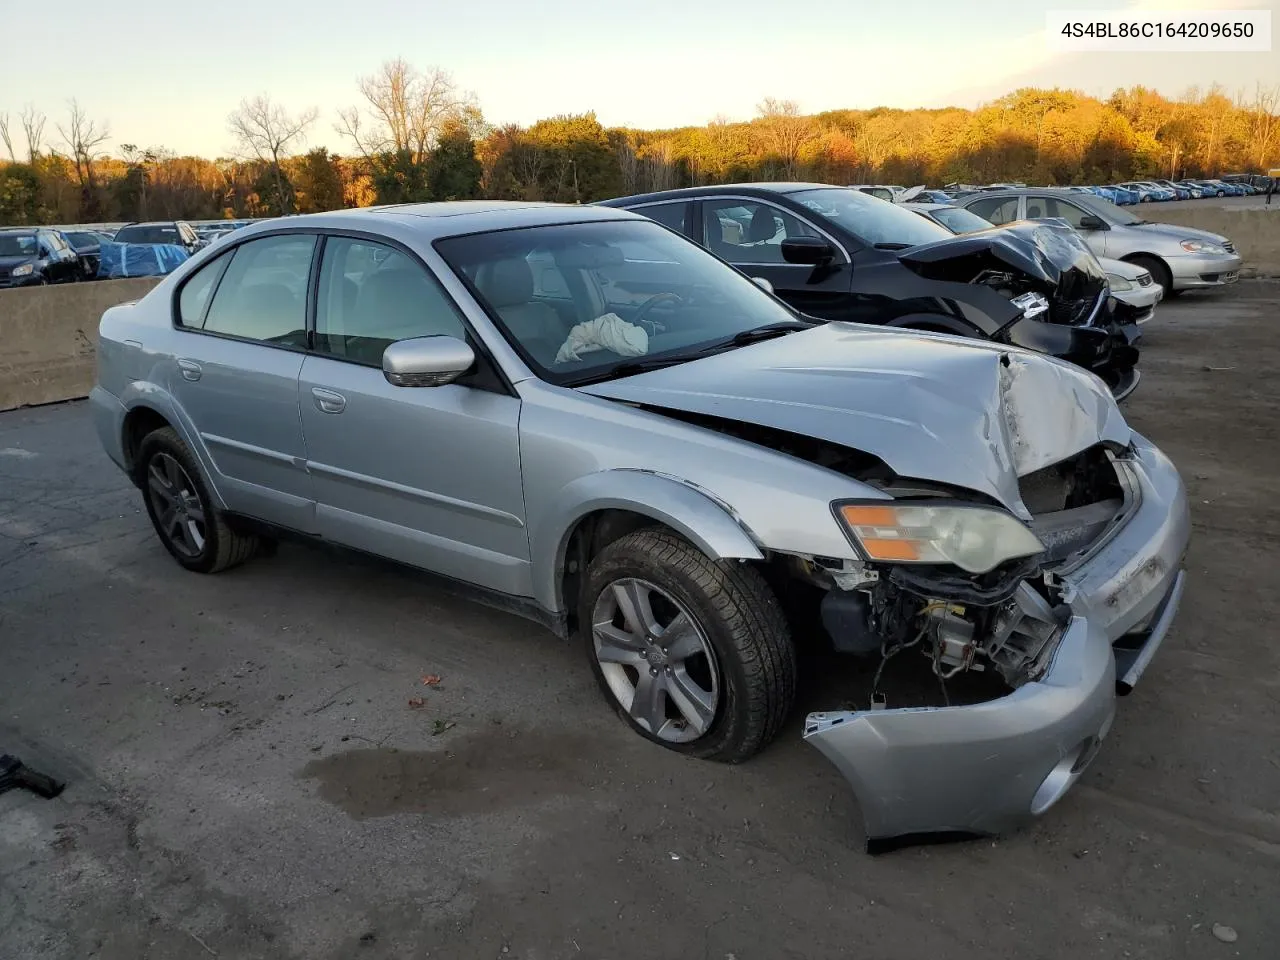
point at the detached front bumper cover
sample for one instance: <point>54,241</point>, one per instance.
<point>991,767</point>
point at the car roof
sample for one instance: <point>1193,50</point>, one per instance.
<point>445,219</point>
<point>746,189</point>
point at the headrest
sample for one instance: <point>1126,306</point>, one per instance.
<point>507,283</point>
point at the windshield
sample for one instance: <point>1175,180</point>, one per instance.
<point>581,300</point>
<point>17,245</point>
<point>872,220</point>
<point>959,220</point>
<point>1107,210</point>
<point>149,233</point>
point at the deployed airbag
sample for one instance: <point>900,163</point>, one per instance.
<point>607,332</point>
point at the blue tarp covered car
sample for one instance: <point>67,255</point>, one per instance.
<point>117,260</point>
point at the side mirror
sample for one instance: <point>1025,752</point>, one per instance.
<point>426,361</point>
<point>807,250</point>
<point>763,284</point>
<point>1092,223</point>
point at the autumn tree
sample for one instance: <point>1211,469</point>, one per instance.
<point>267,132</point>
<point>452,170</point>
<point>83,138</point>
<point>1262,123</point>
<point>317,180</point>
<point>784,131</point>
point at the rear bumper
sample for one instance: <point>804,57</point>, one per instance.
<point>108,420</point>
<point>991,767</point>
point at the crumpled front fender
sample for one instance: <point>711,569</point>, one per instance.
<point>979,769</point>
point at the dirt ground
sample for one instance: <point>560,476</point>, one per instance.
<point>248,778</point>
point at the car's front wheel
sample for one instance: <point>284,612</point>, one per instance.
<point>189,525</point>
<point>694,654</point>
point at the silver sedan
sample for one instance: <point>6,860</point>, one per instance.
<point>590,420</point>
<point>1179,258</point>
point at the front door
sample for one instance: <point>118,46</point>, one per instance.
<point>429,476</point>
<point>241,340</point>
<point>749,234</point>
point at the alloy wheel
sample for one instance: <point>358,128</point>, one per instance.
<point>176,505</point>
<point>656,660</point>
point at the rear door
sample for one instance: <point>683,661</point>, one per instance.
<point>749,233</point>
<point>241,340</point>
<point>999,210</point>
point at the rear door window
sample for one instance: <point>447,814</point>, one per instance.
<point>673,215</point>
<point>996,209</point>
<point>263,295</point>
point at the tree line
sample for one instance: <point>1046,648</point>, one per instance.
<point>415,135</point>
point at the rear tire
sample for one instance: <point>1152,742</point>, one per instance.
<point>732,657</point>
<point>1158,270</point>
<point>177,498</point>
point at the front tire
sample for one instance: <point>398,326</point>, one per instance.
<point>1159,272</point>
<point>177,499</point>
<point>693,653</point>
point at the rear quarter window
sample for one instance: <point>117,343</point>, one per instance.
<point>193,299</point>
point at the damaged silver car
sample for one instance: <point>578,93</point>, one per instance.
<point>590,420</point>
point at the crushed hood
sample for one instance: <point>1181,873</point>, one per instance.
<point>1049,253</point>
<point>966,413</point>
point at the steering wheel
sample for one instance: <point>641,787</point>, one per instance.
<point>648,305</point>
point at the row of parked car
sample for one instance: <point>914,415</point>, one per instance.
<point>31,256</point>
<point>582,415</point>
<point>1122,194</point>
<point>1070,274</point>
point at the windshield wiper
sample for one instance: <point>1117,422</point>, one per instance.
<point>630,368</point>
<point>766,332</point>
<point>892,246</point>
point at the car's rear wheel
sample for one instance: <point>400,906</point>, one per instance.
<point>193,531</point>
<point>694,654</point>
<point>1158,270</point>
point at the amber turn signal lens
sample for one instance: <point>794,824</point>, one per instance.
<point>858,515</point>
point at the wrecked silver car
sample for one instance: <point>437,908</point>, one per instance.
<point>592,421</point>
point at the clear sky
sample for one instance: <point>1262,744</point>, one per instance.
<point>167,74</point>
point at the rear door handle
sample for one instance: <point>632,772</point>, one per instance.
<point>190,369</point>
<point>328,401</point>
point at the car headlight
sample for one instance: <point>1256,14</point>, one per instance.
<point>1118,283</point>
<point>22,271</point>
<point>1204,246</point>
<point>976,539</point>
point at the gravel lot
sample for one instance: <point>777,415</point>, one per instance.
<point>248,778</point>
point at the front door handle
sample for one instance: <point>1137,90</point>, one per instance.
<point>190,369</point>
<point>328,401</point>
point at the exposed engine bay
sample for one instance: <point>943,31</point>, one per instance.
<point>1006,622</point>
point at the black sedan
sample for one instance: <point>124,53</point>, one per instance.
<point>839,254</point>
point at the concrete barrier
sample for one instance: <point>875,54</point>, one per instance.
<point>1255,230</point>
<point>50,338</point>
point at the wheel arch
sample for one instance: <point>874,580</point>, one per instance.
<point>597,509</point>
<point>149,406</point>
